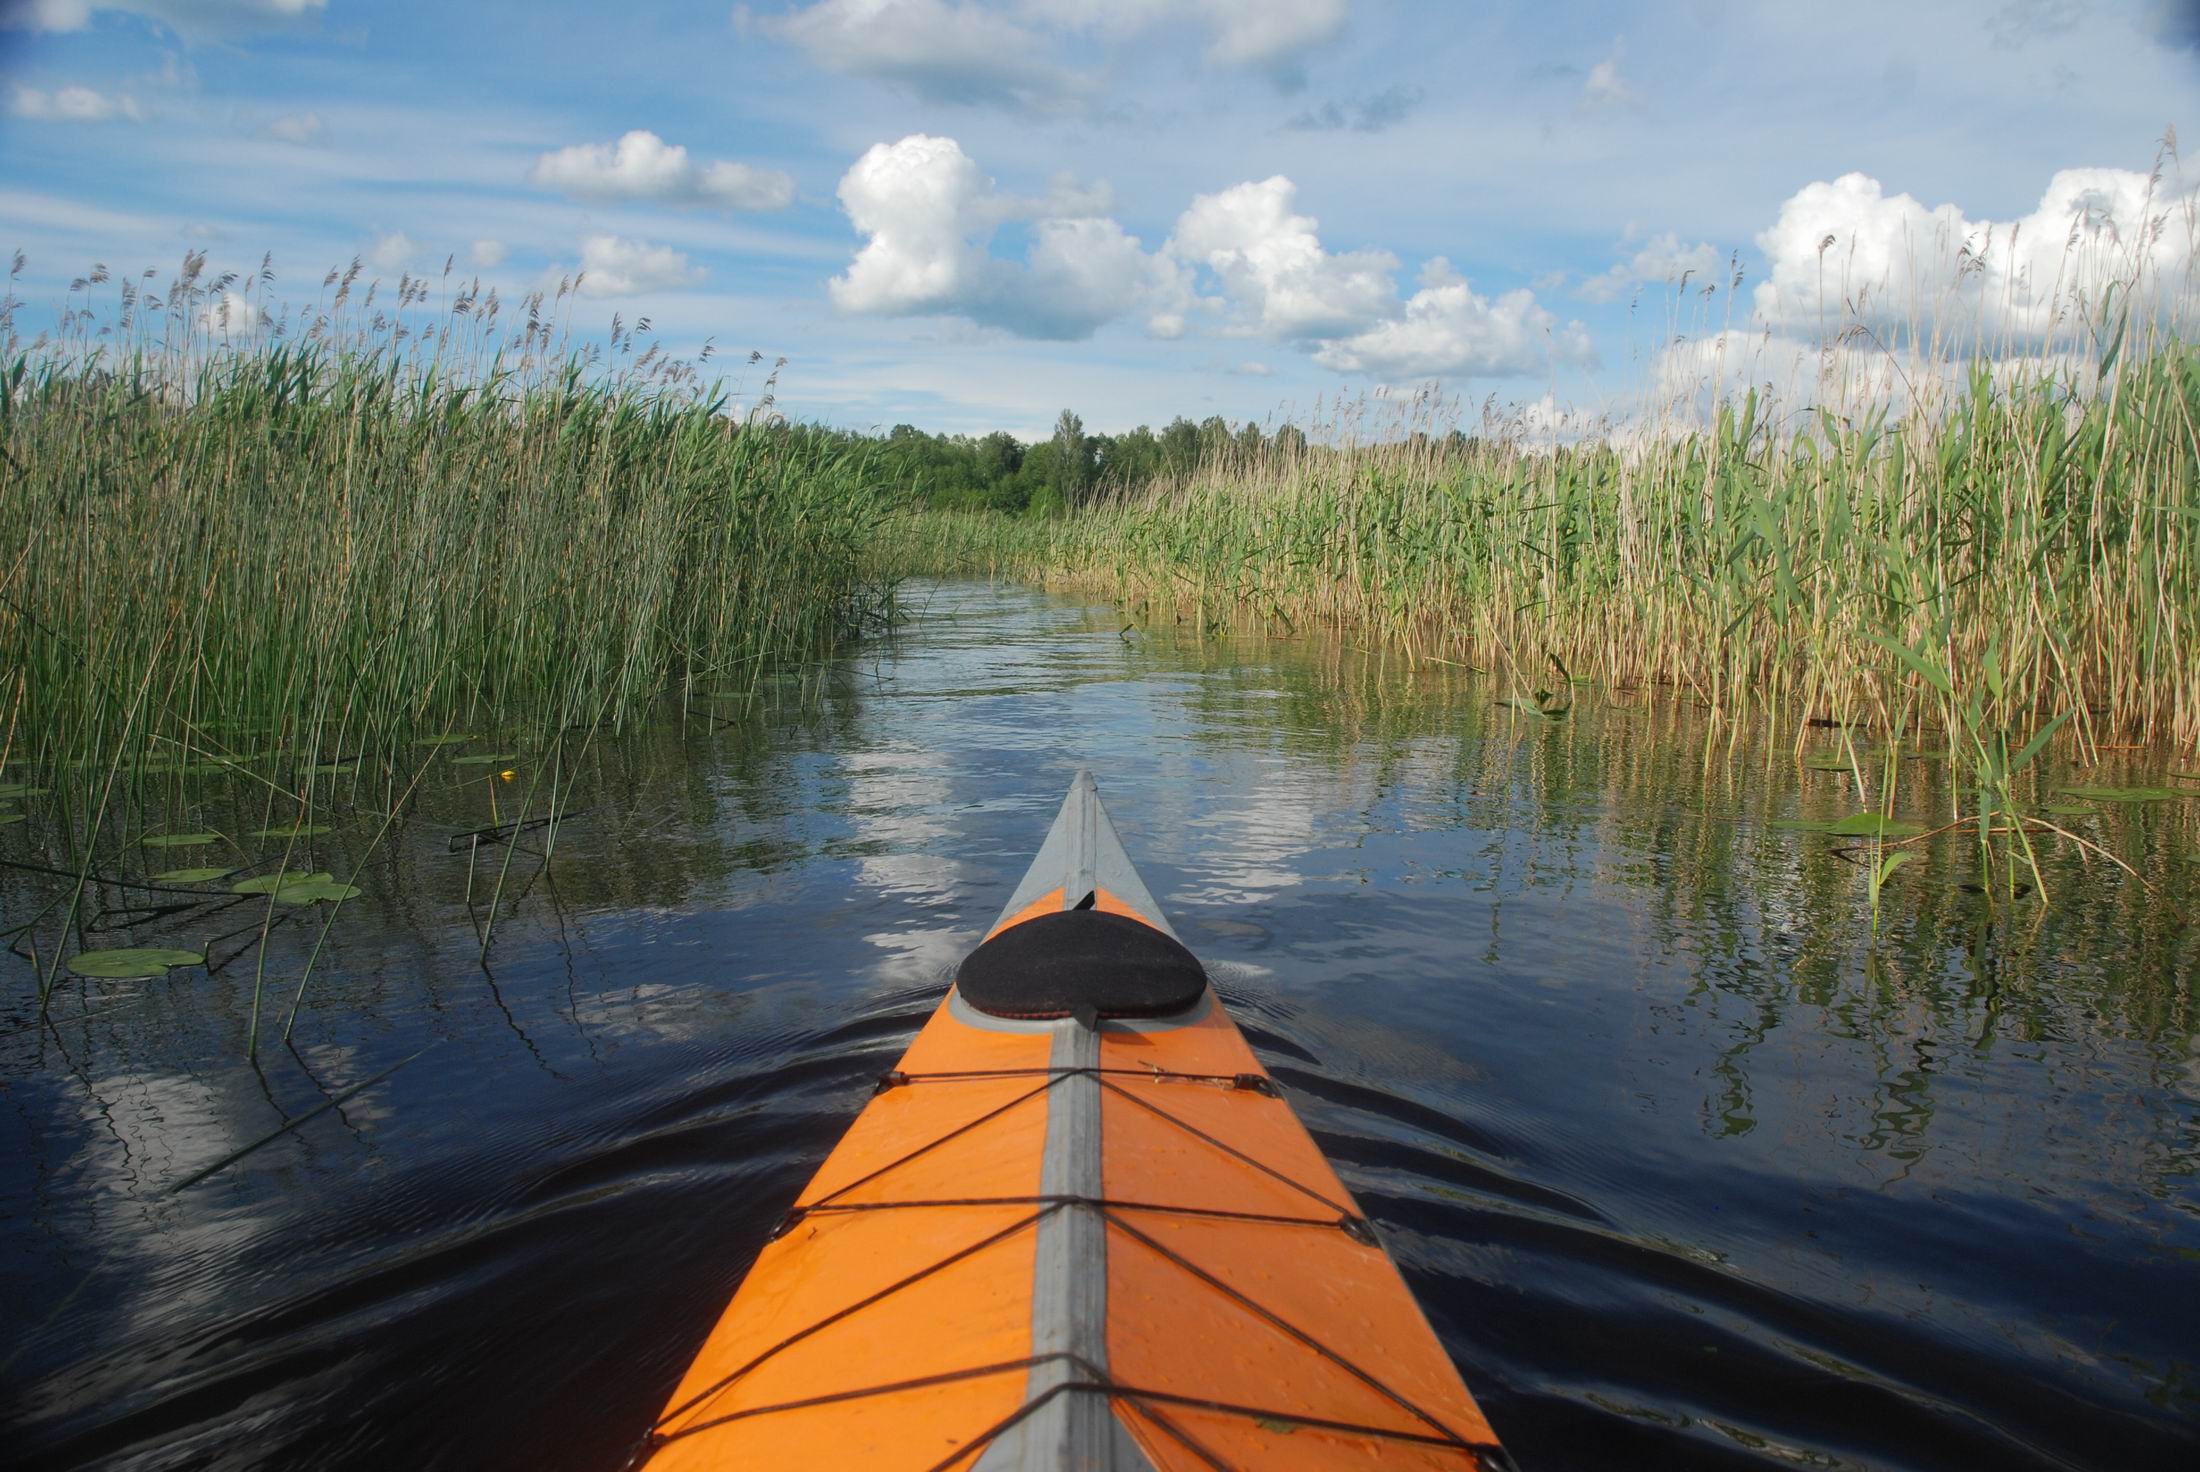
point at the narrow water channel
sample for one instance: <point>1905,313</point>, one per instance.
<point>1686,1167</point>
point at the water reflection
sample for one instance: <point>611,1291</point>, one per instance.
<point>1686,1166</point>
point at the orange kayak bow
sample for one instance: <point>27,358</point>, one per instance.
<point>1076,1227</point>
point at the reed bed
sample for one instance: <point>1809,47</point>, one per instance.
<point>289,553</point>
<point>386,532</point>
<point>2034,546</point>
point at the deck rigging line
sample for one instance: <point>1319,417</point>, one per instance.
<point>1482,1455</point>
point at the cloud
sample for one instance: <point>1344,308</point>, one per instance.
<point>1266,34</point>
<point>930,217</point>
<point>1448,330</point>
<point>1370,114</point>
<point>959,51</point>
<point>943,50</point>
<point>615,266</point>
<point>391,252</point>
<point>488,253</point>
<point>1664,260</point>
<point>2019,21</point>
<point>1848,247</point>
<point>642,166</point>
<point>1270,262</point>
<point>1690,379</point>
<point>1605,89</point>
<point>2175,23</point>
<point>300,128</point>
<point>73,105</point>
<point>232,318</point>
<point>189,17</point>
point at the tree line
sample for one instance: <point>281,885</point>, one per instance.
<point>999,472</point>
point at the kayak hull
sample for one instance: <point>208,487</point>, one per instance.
<point>1080,1241</point>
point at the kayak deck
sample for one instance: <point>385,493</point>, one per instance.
<point>1074,1241</point>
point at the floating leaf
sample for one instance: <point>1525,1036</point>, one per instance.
<point>313,890</point>
<point>20,789</point>
<point>2070,810</point>
<point>454,739</point>
<point>269,883</point>
<point>1855,825</point>
<point>179,840</point>
<point>2124,794</point>
<point>188,876</point>
<point>132,964</point>
<point>303,830</point>
<point>495,758</point>
<point>1826,761</point>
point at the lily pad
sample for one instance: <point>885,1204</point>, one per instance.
<point>303,830</point>
<point>313,890</point>
<point>179,840</point>
<point>133,963</point>
<point>1855,825</point>
<point>20,789</point>
<point>1826,761</point>
<point>270,883</point>
<point>482,761</point>
<point>188,876</point>
<point>2124,794</point>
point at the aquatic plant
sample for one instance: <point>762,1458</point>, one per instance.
<point>282,556</point>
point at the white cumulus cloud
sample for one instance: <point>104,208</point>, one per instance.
<point>1849,248</point>
<point>488,253</point>
<point>615,266</point>
<point>72,105</point>
<point>931,216</point>
<point>232,318</point>
<point>642,166</point>
<point>1270,262</point>
<point>1448,330</point>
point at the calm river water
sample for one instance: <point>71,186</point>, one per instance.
<point>1686,1170</point>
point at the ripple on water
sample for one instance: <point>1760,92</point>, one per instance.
<point>1684,1170</point>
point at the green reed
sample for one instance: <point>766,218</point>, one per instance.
<point>2033,545</point>
<point>282,561</point>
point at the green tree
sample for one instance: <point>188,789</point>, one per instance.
<point>1072,458</point>
<point>1180,446</point>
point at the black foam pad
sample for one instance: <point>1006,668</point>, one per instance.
<point>1081,962</point>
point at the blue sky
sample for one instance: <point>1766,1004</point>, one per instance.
<point>969,214</point>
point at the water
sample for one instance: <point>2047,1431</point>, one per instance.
<point>1685,1171</point>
